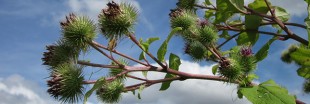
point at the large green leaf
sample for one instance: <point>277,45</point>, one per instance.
<point>281,14</point>
<point>259,6</point>
<point>225,10</point>
<point>163,48</point>
<point>307,21</point>
<point>99,83</point>
<point>174,63</point>
<point>238,4</point>
<point>301,56</point>
<point>267,93</point>
<point>263,52</point>
<point>252,22</point>
<point>304,72</point>
<point>246,37</point>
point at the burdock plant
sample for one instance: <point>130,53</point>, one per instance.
<point>117,71</point>
<point>59,53</point>
<point>196,50</point>
<point>110,92</point>
<point>66,83</point>
<point>182,18</point>
<point>236,64</point>
<point>117,20</point>
<point>239,65</point>
<point>78,31</point>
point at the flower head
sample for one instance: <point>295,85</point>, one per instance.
<point>176,12</point>
<point>66,83</point>
<point>117,20</point>
<point>47,56</point>
<point>246,51</point>
<point>112,11</point>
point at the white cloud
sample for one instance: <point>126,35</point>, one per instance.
<point>16,90</point>
<point>92,8</point>
<point>294,7</point>
<point>188,91</point>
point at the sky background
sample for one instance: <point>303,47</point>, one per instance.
<point>27,26</point>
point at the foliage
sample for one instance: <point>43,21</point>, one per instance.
<point>267,92</point>
<point>203,38</point>
<point>66,83</point>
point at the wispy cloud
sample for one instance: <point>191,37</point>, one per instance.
<point>187,92</point>
<point>92,9</point>
<point>16,90</point>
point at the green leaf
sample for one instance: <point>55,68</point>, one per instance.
<point>99,83</point>
<point>281,14</point>
<point>259,6</point>
<point>141,56</point>
<point>147,43</point>
<point>166,85</point>
<point>140,90</point>
<point>263,52</point>
<point>267,93</point>
<point>214,69</point>
<point>234,22</point>
<point>209,13</point>
<point>301,56</point>
<point>252,22</point>
<point>240,95</point>
<point>174,63</point>
<point>225,10</point>
<point>246,37</point>
<point>145,46</point>
<point>304,72</point>
<point>144,73</point>
<point>238,4</point>
<point>163,48</point>
<point>207,2</point>
<point>133,92</point>
<point>225,34</point>
<point>307,21</point>
<point>251,77</point>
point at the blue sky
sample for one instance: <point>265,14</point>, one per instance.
<point>27,26</point>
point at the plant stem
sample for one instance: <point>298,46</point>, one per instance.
<point>97,65</point>
<point>227,40</point>
<point>133,38</point>
<point>123,55</point>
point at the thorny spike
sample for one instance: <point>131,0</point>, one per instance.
<point>175,12</point>
<point>112,11</point>
<point>54,85</point>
